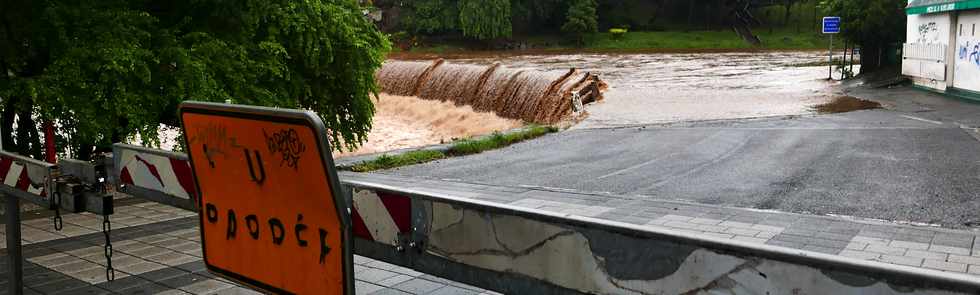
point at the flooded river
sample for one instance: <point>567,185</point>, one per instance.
<point>673,87</point>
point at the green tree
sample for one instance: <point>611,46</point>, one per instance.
<point>485,19</point>
<point>581,19</point>
<point>432,16</point>
<point>108,70</point>
<point>537,16</point>
<point>872,24</point>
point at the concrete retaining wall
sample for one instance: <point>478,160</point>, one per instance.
<point>526,251</point>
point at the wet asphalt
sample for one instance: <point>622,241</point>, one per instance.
<point>884,164</point>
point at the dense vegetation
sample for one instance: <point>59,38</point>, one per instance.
<point>575,19</point>
<point>873,24</point>
<point>108,70</point>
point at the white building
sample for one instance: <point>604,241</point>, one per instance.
<point>942,52</point>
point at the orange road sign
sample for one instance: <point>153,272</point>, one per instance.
<point>272,212</point>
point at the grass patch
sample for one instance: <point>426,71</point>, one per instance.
<point>498,140</point>
<point>461,148</point>
<point>703,40</point>
<point>844,104</point>
<point>387,162</point>
<point>641,41</point>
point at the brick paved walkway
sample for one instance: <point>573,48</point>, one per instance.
<point>157,251</point>
<point>918,246</point>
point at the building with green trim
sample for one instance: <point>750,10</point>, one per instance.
<point>942,49</point>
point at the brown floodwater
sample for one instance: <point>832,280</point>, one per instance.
<point>675,87</point>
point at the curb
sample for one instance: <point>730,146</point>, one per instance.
<point>348,162</point>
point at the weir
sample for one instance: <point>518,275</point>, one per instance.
<point>532,96</point>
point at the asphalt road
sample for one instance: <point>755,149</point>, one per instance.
<point>875,164</point>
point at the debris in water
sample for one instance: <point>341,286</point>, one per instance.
<point>844,104</point>
<point>532,96</point>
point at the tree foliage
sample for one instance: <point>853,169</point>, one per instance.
<point>581,19</point>
<point>485,19</point>
<point>538,16</point>
<point>111,69</point>
<point>872,23</point>
<point>432,16</point>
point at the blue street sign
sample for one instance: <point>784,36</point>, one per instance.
<point>831,25</point>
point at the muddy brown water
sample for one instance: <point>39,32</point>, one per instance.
<point>672,87</point>
<point>526,94</point>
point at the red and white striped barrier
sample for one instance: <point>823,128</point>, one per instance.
<point>169,173</point>
<point>24,175</point>
<point>381,217</point>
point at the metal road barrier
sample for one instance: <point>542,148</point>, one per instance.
<point>73,186</point>
<point>527,251</point>
<point>161,176</point>
<point>23,179</point>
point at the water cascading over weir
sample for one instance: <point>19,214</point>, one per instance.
<point>529,95</point>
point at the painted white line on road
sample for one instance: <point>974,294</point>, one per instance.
<point>922,120</point>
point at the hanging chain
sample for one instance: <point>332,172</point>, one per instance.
<point>58,222</point>
<point>110,273</point>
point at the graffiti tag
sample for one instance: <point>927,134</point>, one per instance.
<point>925,30</point>
<point>215,140</point>
<point>287,143</point>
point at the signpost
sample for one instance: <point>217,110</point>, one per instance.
<point>831,25</point>
<point>271,209</point>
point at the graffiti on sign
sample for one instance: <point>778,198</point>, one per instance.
<point>215,141</point>
<point>280,227</point>
<point>287,143</point>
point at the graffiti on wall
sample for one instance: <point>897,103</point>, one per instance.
<point>970,54</point>
<point>967,67</point>
<point>928,33</point>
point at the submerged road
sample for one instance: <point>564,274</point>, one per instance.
<point>875,164</point>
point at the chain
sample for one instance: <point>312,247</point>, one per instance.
<point>110,273</point>
<point>58,222</point>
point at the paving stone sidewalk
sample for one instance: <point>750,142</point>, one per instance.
<point>919,246</point>
<point>157,251</point>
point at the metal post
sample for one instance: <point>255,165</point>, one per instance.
<point>14,258</point>
<point>843,62</point>
<point>830,72</point>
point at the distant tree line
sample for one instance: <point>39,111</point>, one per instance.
<point>490,19</point>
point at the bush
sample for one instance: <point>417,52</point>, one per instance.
<point>618,33</point>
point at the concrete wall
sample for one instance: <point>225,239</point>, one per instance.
<point>928,28</point>
<point>967,62</point>
<point>926,50</point>
<point>527,251</point>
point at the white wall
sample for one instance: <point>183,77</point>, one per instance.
<point>928,28</point>
<point>967,65</point>
<point>929,35</point>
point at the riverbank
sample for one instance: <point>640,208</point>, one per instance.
<point>631,42</point>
